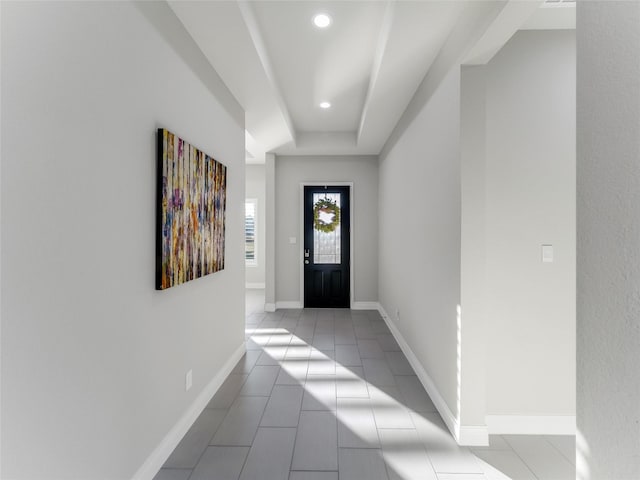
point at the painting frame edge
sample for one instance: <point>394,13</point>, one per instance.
<point>191,198</point>
<point>159,177</point>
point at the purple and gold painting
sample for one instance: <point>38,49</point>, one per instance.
<point>191,204</point>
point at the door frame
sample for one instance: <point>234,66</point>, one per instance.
<point>301,237</point>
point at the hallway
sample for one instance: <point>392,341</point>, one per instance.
<point>493,156</point>
<point>327,394</point>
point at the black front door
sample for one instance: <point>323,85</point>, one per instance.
<point>326,247</point>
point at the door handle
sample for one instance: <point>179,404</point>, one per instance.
<point>306,262</point>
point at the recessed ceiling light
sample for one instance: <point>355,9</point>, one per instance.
<point>322,20</point>
<point>325,105</point>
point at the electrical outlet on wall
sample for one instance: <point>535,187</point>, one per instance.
<point>188,380</point>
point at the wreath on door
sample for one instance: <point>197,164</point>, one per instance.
<point>326,215</point>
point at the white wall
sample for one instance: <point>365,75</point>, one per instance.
<point>93,358</point>
<point>473,247</point>
<point>256,188</point>
<point>290,172</point>
<point>419,228</point>
<point>270,240</point>
<point>508,139</point>
<point>608,133</point>
<point>530,201</point>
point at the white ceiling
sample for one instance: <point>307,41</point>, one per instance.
<point>367,64</point>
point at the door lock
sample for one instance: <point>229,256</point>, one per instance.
<point>306,253</point>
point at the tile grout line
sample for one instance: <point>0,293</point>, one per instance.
<point>244,464</point>
<point>215,431</point>
<point>521,459</point>
<point>559,451</point>
<point>295,438</point>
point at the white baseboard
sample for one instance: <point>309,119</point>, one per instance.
<point>289,305</point>
<point>296,304</point>
<point>531,424</point>
<point>272,307</point>
<point>365,306</point>
<point>464,435</point>
<point>254,285</point>
<point>472,435</point>
<point>154,462</point>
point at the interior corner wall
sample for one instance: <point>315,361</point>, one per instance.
<point>608,133</point>
<point>473,323</point>
<point>256,188</point>
<point>290,172</point>
<point>270,232</point>
<point>530,201</point>
<point>419,231</point>
<point>93,358</point>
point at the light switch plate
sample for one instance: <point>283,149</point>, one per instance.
<point>293,240</point>
<point>547,253</point>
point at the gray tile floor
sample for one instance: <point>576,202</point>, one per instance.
<point>327,394</point>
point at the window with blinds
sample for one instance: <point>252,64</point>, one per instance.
<point>250,224</point>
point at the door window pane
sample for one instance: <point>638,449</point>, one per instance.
<point>326,245</point>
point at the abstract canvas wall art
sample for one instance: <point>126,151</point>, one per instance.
<point>191,204</point>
